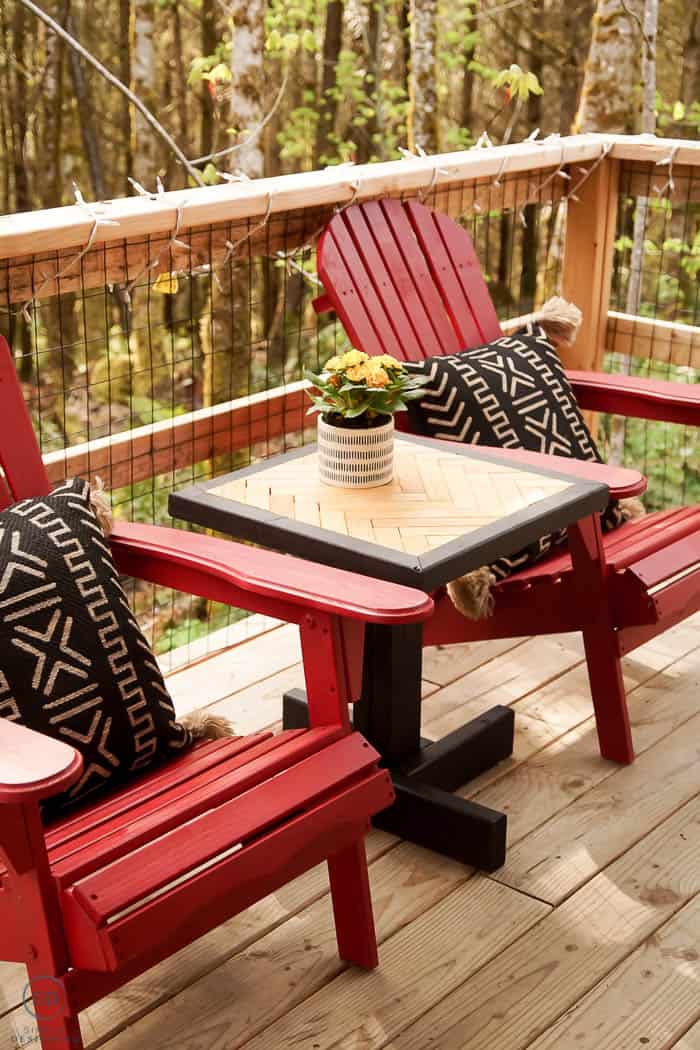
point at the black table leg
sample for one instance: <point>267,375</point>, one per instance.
<point>424,772</point>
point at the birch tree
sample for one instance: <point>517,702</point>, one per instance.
<point>612,68</point>
<point>143,72</point>
<point>423,125</point>
<point>247,82</point>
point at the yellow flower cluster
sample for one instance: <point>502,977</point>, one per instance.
<point>360,367</point>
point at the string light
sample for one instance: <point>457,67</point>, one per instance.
<point>98,220</point>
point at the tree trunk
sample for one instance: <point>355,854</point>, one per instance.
<point>423,125</point>
<point>206,102</point>
<point>576,34</point>
<point>125,35</point>
<point>612,69</point>
<point>466,116</point>
<point>143,70</point>
<point>368,145</point>
<point>248,82</point>
<point>690,78</point>
<point>325,150</point>
<point>530,235</point>
<point>86,111</point>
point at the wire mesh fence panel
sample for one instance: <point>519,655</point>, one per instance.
<point>654,324</point>
<point>155,362</point>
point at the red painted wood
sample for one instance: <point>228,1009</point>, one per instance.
<point>386,302</point>
<point>34,766</point>
<point>166,809</point>
<point>233,883</point>
<point>442,265</point>
<point>669,560</point>
<point>459,247</point>
<point>180,771</point>
<point>327,686</point>
<point>653,533</point>
<point>111,890</point>
<point>291,801</point>
<point>405,255</point>
<point>352,905</point>
<point>19,453</point>
<point>58,1029</point>
<point>621,481</point>
<point>590,580</point>
<point>170,557</point>
<point>638,397</point>
<point>350,294</point>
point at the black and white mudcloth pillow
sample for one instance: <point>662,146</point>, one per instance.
<point>74,663</point>
<point>511,393</point>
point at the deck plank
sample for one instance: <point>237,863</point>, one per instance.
<point>583,838</point>
<point>691,1039</point>
<point>421,962</point>
<point>555,767</point>
<point>648,1000</point>
<point>535,791</point>
<point>527,988</point>
<point>292,962</point>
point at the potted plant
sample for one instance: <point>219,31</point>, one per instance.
<point>357,396</point>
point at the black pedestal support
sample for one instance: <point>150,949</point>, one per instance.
<point>424,772</point>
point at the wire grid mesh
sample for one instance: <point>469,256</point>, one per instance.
<point>110,355</point>
<point>655,279</point>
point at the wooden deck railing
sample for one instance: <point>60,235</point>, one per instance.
<point>34,247</point>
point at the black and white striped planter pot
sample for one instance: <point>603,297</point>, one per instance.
<point>350,458</point>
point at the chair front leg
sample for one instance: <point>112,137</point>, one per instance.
<point>352,905</point>
<point>22,846</point>
<point>591,577</point>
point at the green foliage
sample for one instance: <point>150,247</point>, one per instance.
<point>520,84</point>
<point>291,27</point>
<point>215,68</point>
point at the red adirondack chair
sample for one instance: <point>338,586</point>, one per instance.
<point>405,280</point>
<point>92,900</point>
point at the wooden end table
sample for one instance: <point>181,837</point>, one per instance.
<point>450,508</point>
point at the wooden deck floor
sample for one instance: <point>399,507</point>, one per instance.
<point>587,939</point>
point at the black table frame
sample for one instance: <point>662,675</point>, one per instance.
<point>389,712</point>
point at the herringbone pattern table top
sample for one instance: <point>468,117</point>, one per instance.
<point>436,496</point>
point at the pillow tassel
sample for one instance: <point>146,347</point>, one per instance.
<point>471,593</point>
<point>203,725</point>
<point>101,507</point>
<point>559,319</point>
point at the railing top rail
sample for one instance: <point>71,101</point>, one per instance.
<point>71,226</point>
<point>650,149</point>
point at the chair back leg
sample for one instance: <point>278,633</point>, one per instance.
<point>600,641</point>
<point>352,905</point>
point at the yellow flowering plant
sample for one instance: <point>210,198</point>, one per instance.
<point>355,389</point>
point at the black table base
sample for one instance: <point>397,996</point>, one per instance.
<point>425,772</point>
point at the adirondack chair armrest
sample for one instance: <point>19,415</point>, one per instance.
<point>222,570</point>
<point>34,766</point>
<point>621,481</point>
<point>637,397</point>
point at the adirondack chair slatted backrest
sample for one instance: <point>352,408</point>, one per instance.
<point>405,280</point>
<point>23,469</point>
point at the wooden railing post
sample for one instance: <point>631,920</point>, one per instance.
<point>588,258</point>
